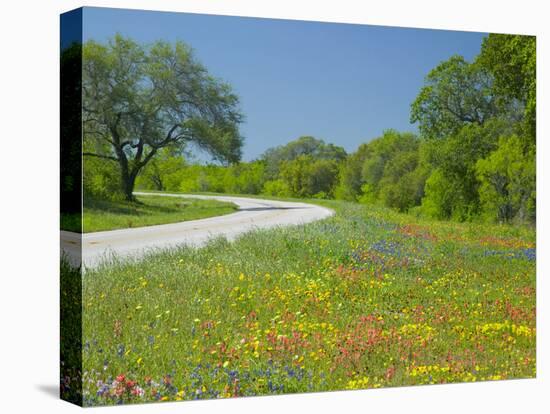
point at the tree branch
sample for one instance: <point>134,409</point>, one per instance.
<point>107,157</point>
<point>122,145</point>
<point>146,159</point>
<point>167,140</point>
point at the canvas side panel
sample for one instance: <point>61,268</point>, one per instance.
<point>71,207</point>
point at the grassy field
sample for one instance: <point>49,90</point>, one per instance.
<point>368,298</point>
<point>147,211</point>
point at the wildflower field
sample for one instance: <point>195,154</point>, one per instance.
<point>368,298</point>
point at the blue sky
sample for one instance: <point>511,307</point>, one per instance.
<point>343,83</point>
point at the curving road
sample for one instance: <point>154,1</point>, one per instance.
<point>252,214</point>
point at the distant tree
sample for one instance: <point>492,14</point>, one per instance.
<point>308,177</point>
<point>382,150</point>
<point>212,178</point>
<point>350,175</point>
<point>139,99</point>
<point>192,180</point>
<point>456,93</point>
<point>245,178</point>
<point>306,145</point>
<point>278,188</point>
<point>402,183</point>
<point>322,178</point>
<point>389,172</point>
<point>165,168</point>
<point>295,174</point>
<point>385,170</point>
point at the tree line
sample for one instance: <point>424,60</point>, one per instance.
<point>473,157</point>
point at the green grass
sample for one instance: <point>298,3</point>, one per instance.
<point>71,222</point>
<point>367,298</point>
<point>102,215</point>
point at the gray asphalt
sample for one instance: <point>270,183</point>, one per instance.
<point>132,243</point>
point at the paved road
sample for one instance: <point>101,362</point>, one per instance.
<point>252,214</point>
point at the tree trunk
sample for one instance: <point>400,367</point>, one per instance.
<point>157,180</point>
<point>128,182</point>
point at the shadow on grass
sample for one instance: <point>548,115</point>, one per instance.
<point>113,207</point>
<point>137,207</point>
<point>270,208</point>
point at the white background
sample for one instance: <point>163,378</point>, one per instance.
<point>29,159</point>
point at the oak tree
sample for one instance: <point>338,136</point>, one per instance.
<point>138,99</point>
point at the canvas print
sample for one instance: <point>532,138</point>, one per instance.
<point>260,206</point>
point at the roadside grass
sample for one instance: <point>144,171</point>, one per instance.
<point>367,298</point>
<point>71,222</point>
<point>149,210</point>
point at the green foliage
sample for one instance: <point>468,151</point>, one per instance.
<point>454,190</point>
<point>402,184</point>
<point>242,178</point>
<point>439,201</point>
<point>448,172</point>
<point>140,99</point>
<point>164,172</point>
<point>368,194</point>
<point>456,93</point>
<point>307,167</point>
<point>308,177</point>
<point>277,188</point>
<point>350,177</point>
<point>315,148</point>
<point>198,178</point>
<point>101,180</point>
<point>245,178</point>
<point>512,60</point>
<point>386,170</point>
<point>507,178</point>
<point>463,111</point>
